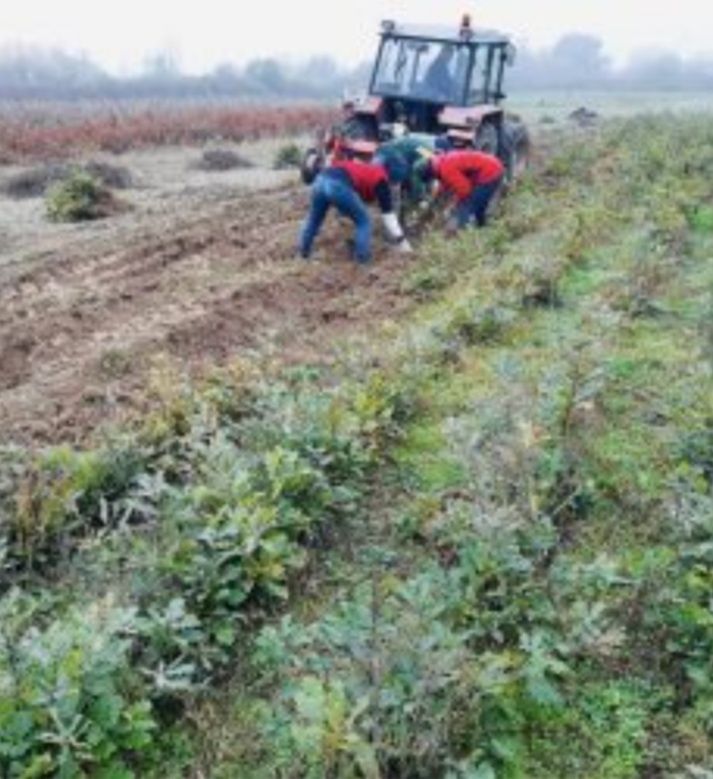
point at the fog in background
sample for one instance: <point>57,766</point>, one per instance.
<point>575,61</point>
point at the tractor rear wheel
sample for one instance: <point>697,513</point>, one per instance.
<point>516,150</point>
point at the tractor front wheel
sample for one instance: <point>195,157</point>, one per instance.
<point>312,163</point>
<point>487,138</point>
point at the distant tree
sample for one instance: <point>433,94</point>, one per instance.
<point>656,70</point>
<point>268,76</point>
<point>574,61</point>
<point>319,70</point>
<point>162,65</point>
<point>579,59</point>
<point>36,72</point>
<point>225,79</point>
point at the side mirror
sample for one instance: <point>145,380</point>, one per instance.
<point>510,54</point>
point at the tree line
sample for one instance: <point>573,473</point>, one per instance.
<point>574,61</point>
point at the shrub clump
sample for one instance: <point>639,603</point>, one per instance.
<point>288,156</point>
<point>68,706</point>
<point>79,198</point>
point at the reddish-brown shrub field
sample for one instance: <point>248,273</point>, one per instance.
<point>36,135</point>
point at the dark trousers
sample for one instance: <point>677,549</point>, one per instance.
<point>475,207</point>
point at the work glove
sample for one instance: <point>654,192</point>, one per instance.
<point>392,227</point>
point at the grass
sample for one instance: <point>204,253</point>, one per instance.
<point>488,557</point>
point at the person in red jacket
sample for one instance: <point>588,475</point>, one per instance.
<point>472,178</point>
<point>349,185</point>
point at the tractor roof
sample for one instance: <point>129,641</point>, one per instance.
<point>443,34</point>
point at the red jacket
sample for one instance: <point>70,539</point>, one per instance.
<point>368,179</point>
<point>461,172</point>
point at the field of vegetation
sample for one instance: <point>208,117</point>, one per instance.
<point>39,131</point>
<point>463,530</point>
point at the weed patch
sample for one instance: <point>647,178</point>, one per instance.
<point>288,156</point>
<point>78,198</point>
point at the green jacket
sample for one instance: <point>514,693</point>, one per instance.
<point>404,158</point>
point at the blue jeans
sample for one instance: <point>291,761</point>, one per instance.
<point>475,207</point>
<point>333,190</point>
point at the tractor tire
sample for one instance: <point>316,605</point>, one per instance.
<point>312,163</point>
<point>487,138</point>
<point>515,150</point>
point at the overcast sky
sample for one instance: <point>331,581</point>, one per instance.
<point>202,33</point>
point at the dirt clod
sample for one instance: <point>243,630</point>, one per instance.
<point>112,176</point>
<point>34,182</point>
<point>222,159</point>
<point>584,117</point>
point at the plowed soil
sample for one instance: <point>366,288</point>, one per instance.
<point>80,324</point>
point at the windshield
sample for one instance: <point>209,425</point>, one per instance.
<point>422,70</point>
<point>480,86</point>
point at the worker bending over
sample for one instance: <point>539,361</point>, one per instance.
<point>349,185</point>
<point>403,158</point>
<point>472,178</point>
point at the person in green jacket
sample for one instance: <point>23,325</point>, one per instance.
<point>403,158</point>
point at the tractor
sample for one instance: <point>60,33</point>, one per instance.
<point>435,80</point>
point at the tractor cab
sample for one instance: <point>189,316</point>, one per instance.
<point>432,80</point>
<point>419,71</point>
<point>437,80</point>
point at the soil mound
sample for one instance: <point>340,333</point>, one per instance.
<point>221,160</point>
